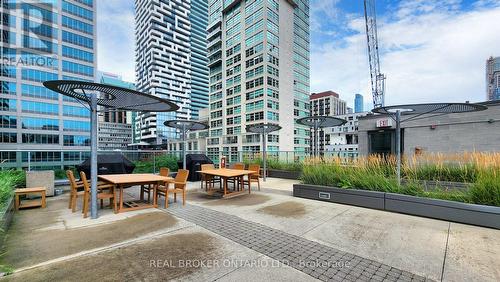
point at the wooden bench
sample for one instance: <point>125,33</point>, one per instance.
<point>30,203</point>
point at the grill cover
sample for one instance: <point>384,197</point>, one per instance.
<point>193,164</point>
<point>108,164</point>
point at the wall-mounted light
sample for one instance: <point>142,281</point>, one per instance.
<point>491,120</point>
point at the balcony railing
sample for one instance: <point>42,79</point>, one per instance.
<point>149,160</point>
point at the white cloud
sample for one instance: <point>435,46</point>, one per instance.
<point>322,13</point>
<point>487,3</point>
<point>116,38</point>
<point>433,55</point>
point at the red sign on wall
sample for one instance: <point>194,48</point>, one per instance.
<point>384,122</point>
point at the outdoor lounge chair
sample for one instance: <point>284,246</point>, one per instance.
<point>164,171</point>
<point>209,180</point>
<point>105,191</point>
<point>180,183</point>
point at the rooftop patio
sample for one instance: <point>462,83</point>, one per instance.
<point>263,235</point>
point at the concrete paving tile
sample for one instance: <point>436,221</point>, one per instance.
<point>265,269</point>
<point>314,214</point>
<point>410,243</point>
<point>473,254</point>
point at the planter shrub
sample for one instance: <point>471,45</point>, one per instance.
<point>274,164</point>
<point>161,161</point>
<point>486,190</point>
<point>378,174</point>
<point>9,180</point>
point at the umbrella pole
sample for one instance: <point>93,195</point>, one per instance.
<point>93,156</point>
<point>398,146</point>
<point>183,146</point>
<point>316,149</point>
<point>264,155</point>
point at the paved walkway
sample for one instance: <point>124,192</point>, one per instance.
<point>319,261</point>
<point>265,236</point>
<point>435,249</point>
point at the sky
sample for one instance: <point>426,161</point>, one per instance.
<point>430,51</point>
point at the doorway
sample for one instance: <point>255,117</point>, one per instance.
<point>383,142</point>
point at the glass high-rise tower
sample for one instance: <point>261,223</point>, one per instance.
<point>199,61</point>
<point>358,103</point>
<point>258,55</point>
<point>170,62</point>
<point>493,78</point>
<point>44,40</point>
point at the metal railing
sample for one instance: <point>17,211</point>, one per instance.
<point>146,160</point>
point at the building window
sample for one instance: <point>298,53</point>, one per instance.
<point>76,140</point>
<point>8,137</point>
<point>29,138</point>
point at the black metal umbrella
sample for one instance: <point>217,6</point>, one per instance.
<point>185,126</point>
<point>316,122</point>
<point>417,111</point>
<point>263,129</point>
<point>110,98</point>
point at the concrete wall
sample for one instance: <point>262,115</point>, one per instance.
<point>477,131</point>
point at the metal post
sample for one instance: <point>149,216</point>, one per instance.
<point>93,156</point>
<point>29,160</point>
<point>183,146</point>
<point>316,151</point>
<point>154,162</point>
<point>398,146</point>
<point>264,155</point>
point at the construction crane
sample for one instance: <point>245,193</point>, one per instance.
<point>377,78</point>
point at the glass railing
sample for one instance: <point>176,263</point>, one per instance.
<point>146,161</point>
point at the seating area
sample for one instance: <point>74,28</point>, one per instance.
<point>231,181</point>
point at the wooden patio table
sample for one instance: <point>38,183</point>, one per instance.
<point>225,174</point>
<point>122,181</point>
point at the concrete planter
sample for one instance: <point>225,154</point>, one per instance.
<point>480,215</point>
<point>362,198</point>
<point>6,215</point>
<point>285,174</point>
<point>447,210</point>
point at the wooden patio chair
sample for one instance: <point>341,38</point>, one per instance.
<point>234,181</point>
<point>209,180</point>
<point>105,191</point>
<point>164,171</point>
<point>253,177</point>
<point>180,183</point>
<point>77,189</point>
<point>75,186</point>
